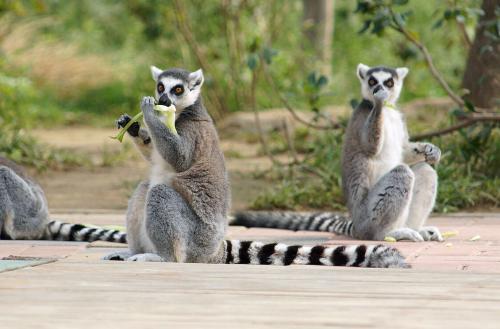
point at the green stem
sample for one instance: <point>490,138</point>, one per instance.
<point>122,132</point>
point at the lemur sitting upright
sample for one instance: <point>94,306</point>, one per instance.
<point>24,212</point>
<point>179,214</point>
<point>388,182</point>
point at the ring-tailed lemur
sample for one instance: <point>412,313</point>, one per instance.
<point>179,214</point>
<point>388,182</point>
<point>24,212</point>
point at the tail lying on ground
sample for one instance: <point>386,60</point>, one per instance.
<point>258,253</point>
<point>295,221</point>
<point>60,231</point>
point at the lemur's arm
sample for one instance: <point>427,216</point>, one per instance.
<point>420,152</point>
<point>176,149</point>
<point>140,136</point>
<point>371,134</point>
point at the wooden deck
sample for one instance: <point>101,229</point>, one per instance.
<point>80,291</point>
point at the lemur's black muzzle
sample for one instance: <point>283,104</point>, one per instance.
<point>164,100</point>
<point>377,88</point>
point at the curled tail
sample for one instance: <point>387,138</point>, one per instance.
<point>57,230</point>
<point>258,253</point>
<point>296,221</point>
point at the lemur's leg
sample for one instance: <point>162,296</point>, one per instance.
<point>386,208</point>
<point>423,199</point>
<point>23,209</point>
<point>137,242</point>
<point>139,136</point>
<point>169,223</point>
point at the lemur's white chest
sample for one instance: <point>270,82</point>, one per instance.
<point>391,149</point>
<point>161,171</point>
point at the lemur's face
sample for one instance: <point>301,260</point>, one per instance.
<point>373,79</point>
<point>176,86</point>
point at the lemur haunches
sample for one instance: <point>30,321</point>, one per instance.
<point>388,182</point>
<point>180,213</point>
<point>24,213</point>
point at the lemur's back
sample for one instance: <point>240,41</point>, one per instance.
<point>205,183</point>
<point>12,165</point>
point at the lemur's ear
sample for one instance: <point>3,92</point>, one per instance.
<point>195,79</point>
<point>362,69</point>
<point>155,72</point>
<point>402,72</point>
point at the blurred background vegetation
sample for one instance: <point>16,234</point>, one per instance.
<point>85,62</point>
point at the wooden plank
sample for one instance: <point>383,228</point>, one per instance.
<point>73,294</point>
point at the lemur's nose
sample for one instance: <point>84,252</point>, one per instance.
<point>164,100</point>
<point>377,88</point>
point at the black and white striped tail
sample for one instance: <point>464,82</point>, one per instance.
<point>60,231</point>
<point>295,221</point>
<point>258,253</point>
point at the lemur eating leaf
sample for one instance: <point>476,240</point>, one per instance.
<point>388,182</point>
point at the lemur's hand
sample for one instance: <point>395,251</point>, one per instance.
<point>122,121</point>
<point>381,95</point>
<point>432,153</point>
<point>147,105</point>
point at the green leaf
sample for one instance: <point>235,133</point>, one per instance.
<point>366,26</point>
<point>399,2</point>
<point>311,78</point>
<point>322,81</point>
<point>252,61</point>
<point>438,24</point>
<point>470,106</point>
<point>268,54</point>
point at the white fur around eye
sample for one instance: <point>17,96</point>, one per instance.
<point>187,98</point>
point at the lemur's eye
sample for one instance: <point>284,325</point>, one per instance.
<point>178,90</point>
<point>372,82</point>
<point>389,83</point>
<point>161,88</point>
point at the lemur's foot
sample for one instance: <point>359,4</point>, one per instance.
<point>381,94</point>
<point>119,255</point>
<point>122,121</point>
<point>406,233</point>
<point>432,153</point>
<point>147,104</point>
<point>147,257</point>
<point>431,233</point>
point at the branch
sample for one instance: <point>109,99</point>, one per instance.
<point>253,105</point>
<point>469,121</point>
<point>465,35</point>
<point>186,31</point>
<point>428,58</point>
<point>270,80</point>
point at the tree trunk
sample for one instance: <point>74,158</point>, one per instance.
<point>482,72</point>
<point>318,29</point>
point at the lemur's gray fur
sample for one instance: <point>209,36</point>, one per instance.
<point>179,214</point>
<point>24,213</point>
<point>388,183</point>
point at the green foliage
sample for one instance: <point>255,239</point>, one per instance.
<point>316,183</point>
<point>468,172</point>
<point>20,106</point>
